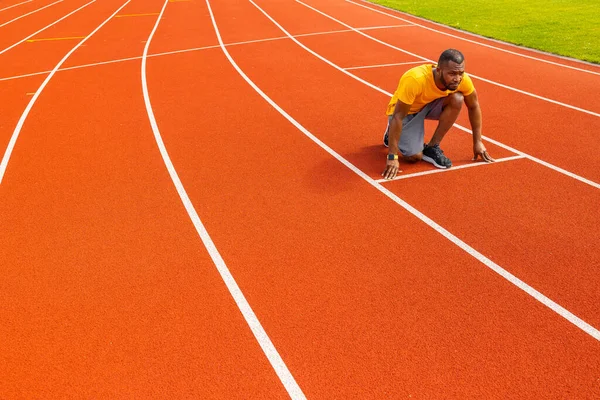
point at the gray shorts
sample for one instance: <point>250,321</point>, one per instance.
<point>413,127</point>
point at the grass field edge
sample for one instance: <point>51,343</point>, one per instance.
<point>480,36</point>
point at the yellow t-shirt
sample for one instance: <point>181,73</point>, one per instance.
<point>417,88</point>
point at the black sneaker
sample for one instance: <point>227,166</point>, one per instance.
<point>435,155</point>
<point>385,138</point>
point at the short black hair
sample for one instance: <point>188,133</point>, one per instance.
<point>451,55</point>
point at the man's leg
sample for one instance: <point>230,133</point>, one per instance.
<point>411,139</point>
<point>451,107</point>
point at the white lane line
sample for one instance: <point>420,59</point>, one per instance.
<point>388,94</point>
<point>563,312</point>
<point>383,65</point>
<point>136,58</point>
<point>29,13</point>
<point>434,62</point>
<point>479,43</point>
<point>497,143</point>
<point>118,60</point>
<point>437,171</point>
<point>583,110</point>
<point>17,131</point>
<point>251,319</point>
<point>15,5</point>
<point>182,51</point>
<point>368,28</point>
<point>535,159</point>
<point>47,26</point>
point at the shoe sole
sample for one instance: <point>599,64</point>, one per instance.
<point>432,161</point>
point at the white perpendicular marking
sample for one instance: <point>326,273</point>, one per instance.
<point>552,305</point>
<point>251,319</point>
<point>437,171</point>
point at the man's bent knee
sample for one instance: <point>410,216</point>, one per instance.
<point>455,100</point>
<point>414,158</point>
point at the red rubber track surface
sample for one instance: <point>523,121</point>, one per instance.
<point>107,290</point>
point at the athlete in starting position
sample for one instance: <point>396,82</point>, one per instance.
<point>430,92</point>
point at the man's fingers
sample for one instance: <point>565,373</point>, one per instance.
<point>484,157</point>
<point>487,157</point>
<point>390,172</point>
<point>386,173</point>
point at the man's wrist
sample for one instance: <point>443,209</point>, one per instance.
<point>392,156</point>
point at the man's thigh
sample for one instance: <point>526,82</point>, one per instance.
<point>413,127</point>
<point>434,109</point>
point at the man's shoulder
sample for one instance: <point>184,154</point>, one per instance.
<point>419,73</point>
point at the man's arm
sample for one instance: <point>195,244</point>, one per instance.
<point>395,131</point>
<point>475,119</point>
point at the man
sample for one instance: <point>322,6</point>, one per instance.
<point>430,92</point>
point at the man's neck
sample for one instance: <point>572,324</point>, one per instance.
<point>437,80</point>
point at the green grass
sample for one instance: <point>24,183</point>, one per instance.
<point>565,27</point>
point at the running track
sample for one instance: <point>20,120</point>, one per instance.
<point>170,230</point>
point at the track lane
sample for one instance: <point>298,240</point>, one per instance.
<point>323,102</point>
<point>27,14</point>
<point>567,85</point>
<point>171,26</point>
<point>106,289</point>
<point>552,134</point>
<point>41,55</point>
<point>349,321</point>
<point>19,29</point>
<point>262,337</point>
<point>8,6</point>
<point>137,13</point>
<point>10,11</point>
<point>541,225</point>
<point>16,94</point>
<point>19,126</point>
<point>541,128</point>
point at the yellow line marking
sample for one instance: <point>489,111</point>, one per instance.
<point>61,38</point>
<point>134,15</point>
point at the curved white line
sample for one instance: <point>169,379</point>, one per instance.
<point>383,65</point>
<point>17,131</point>
<point>595,114</point>
<point>47,26</point>
<point>537,160</point>
<point>251,319</point>
<point>29,13</point>
<point>563,312</point>
<point>479,43</point>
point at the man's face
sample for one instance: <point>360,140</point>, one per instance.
<point>451,74</point>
